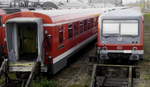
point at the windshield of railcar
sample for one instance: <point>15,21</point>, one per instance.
<point>120,27</point>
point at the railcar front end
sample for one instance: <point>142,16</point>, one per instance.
<point>121,38</point>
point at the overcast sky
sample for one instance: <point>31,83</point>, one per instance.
<point>124,1</point>
<point>129,1</point>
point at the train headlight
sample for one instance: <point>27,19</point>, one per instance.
<point>134,48</point>
<point>46,32</point>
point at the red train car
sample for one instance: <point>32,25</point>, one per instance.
<point>48,38</point>
<point>120,36</point>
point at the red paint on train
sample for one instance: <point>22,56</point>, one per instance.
<point>63,34</point>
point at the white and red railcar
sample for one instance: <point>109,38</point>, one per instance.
<point>50,38</point>
<point>120,36</point>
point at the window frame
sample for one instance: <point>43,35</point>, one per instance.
<point>76,28</point>
<point>120,26</point>
<point>61,30</point>
<point>70,28</point>
<point>92,23</point>
<point>85,25</point>
<point>88,24</point>
<point>81,26</point>
<point>112,34</point>
<point>95,21</point>
<point>1,24</point>
<point>128,34</point>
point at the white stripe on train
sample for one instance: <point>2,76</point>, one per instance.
<point>70,51</point>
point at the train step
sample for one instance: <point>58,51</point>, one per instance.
<point>21,66</point>
<point>22,79</point>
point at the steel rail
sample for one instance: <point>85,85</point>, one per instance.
<point>35,70</point>
<point>3,66</point>
<point>107,80</point>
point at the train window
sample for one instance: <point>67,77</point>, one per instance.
<point>120,27</point>
<point>110,28</point>
<point>92,23</point>
<point>129,28</point>
<point>95,22</point>
<point>70,31</point>
<point>76,28</point>
<point>0,20</point>
<point>85,25</point>
<point>89,22</point>
<point>81,26</point>
<point>61,34</point>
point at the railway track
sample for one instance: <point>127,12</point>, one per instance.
<point>23,79</point>
<point>112,75</point>
<point>115,76</point>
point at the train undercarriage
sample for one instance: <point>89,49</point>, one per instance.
<point>131,55</point>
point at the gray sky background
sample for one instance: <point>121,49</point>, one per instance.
<point>124,1</point>
<point>129,1</point>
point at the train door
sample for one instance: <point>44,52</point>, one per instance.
<point>24,39</point>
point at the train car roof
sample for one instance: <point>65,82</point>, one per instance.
<point>57,16</point>
<point>57,12</point>
<point>61,15</point>
<point>123,14</point>
<point>67,11</point>
<point>69,14</point>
